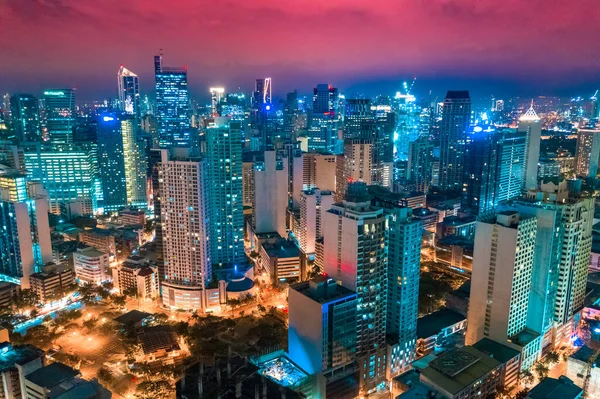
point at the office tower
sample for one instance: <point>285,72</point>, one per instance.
<point>68,173</point>
<point>355,253</point>
<point>262,91</point>
<point>172,105</point>
<point>456,114</point>
<point>359,119</point>
<point>356,165</point>
<point>25,113</point>
<point>481,171</point>
<point>323,120</point>
<point>383,145</point>
<point>530,123</point>
<point>512,164</point>
<point>404,270</point>
<point>121,162</point>
<point>293,119</point>
<point>269,207</point>
<point>59,107</point>
<point>248,183</point>
<point>322,326</point>
<point>408,121</point>
<point>154,162</point>
<point>420,160</point>
<point>224,155</point>
<point>128,87</point>
<point>25,245</point>
<point>503,267</point>
<point>184,220</point>
<point>319,170</point>
<point>216,96</point>
<point>588,150</point>
<point>313,205</point>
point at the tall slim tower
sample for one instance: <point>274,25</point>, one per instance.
<point>323,120</point>
<point>420,161</point>
<point>356,165</point>
<point>271,194</point>
<point>60,115</point>
<point>128,87</point>
<point>172,105</point>
<point>355,253</point>
<point>216,96</point>
<point>185,233</point>
<point>529,122</point>
<point>224,155</point>
<point>25,113</point>
<point>588,150</point>
<point>456,115</point>
<point>313,205</point>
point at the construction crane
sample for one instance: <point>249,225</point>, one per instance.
<point>588,375</point>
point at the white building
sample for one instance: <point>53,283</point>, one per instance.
<point>529,122</point>
<point>183,187</point>
<point>355,166</point>
<point>270,195</point>
<point>91,265</point>
<point>313,204</point>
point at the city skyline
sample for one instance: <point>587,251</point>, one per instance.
<point>488,48</point>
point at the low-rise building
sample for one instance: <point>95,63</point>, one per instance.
<point>53,282</point>
<point>102,240</point>
<point>578,367</point>
<point>159,344</point>
<point>138,274</point>
<point>132,217</point>
<point>57,381</point>
<point>435,330</point>
<point>282,261</point>
<point>456,252</point>
<point>461,226</point>
<point>509,357</point>
<point>428,217</point>
<point>463,373</point>
<point>552,388</point>
<point>91,265</point>
<point>9,292</point>
<point>458,300</point>
<point>15,363</point>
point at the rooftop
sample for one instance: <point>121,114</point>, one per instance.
<point>496,350</point>
<point>132,317</point>
<point>91,252</point>
<point>282,249</point>
<point>157,338</point>
<point>456,94</point>
<point>435,322</point>
<point>52,375</point>
<point>584,354</point>
<point>459,368</point>
<point>551,388</point>
<point>21,354</point>
<point>322,295</point>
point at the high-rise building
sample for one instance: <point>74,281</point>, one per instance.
<point>588,151</point>
<point>355,166</point>
<point>530,123</point>
<point>25,114</point>
<point>512,164</point>
<point>456,115</point>
<point>224,155</point>
<point>355,253</point>
<point>322,326</point>
<point>69,173</point>
<point>185,232</point>
<point>319,170</point>
<point>172,105</point>
<point>420,160</point>
<point>323,120</point>
<point>313,205</point>
<point>404,271</point>
<point>216,96</point>
<point>270,195</point>
<point>25,245</point>
<point>128,87</point>
<point>121,162</point>
<point>359,119</point>
<point>407,124</point>
<point>60,115</point>
<point>262,91</point>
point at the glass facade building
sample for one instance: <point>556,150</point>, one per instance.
<point>60,115</point>
<point>25,114</point>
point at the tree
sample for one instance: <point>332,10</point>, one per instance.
<point>119,300</point>
<point>552,357</point>
<point>90,323</point>
<point>522,394</point>
<point>27,299</point>
<point>87,293</point>
<point>541,370</point>
<point>315,271</point>
<point>261,308</point>
<point>153,390</point>
<point>527,378</point>
<point>105,376</point>
<point>130,292</point>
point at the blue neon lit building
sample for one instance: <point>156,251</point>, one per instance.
<point>60,115</point>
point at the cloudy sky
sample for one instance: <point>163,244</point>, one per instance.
<point>522,47</point>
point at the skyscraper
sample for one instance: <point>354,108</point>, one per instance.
<point>323,120</point>
<point>185,232</point>
<point>262,91</point>
<point>420,162</point>
<point>529,122</point>
<point>359,119</point>
<point>172,105</point>
<point>128,87</point>
<point>121,162</point>
<point>456,115</point>
<point>512,163</point>
<point>356,165</point>
<point>224,155</point>
<point>60,115</point>
<point>25,115</point>
<point>270,199</point>
<point>313,205</point>
<point>588,150</point>
<point>355,253</point>
<point>68,173</point>
<point>216,96</point>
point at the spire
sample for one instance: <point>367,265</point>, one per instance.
<point>125,72</point>
<point>530,115</point>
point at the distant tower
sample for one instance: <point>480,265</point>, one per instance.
<point>324,119</point>
<point>25,113</point>
<point>456,115</point>
<point>588,150</point>
<point>529,122</point>
<point>270,195</point>
<point>129,92</point>
<point>356,165</point>
<point>216,96</point>
<point>60,115</point>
